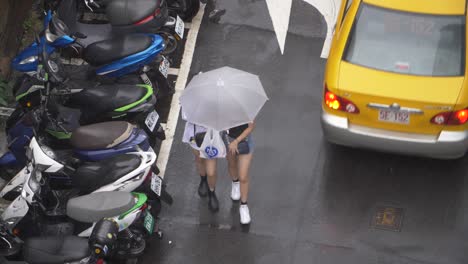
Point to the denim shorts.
(249, 140)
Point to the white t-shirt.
(189, 133)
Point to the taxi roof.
(437, 7)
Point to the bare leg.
(233, 166)
(201, 168)
(244, 162)
(211, 172)
(200, 163)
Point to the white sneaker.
(235, 191)
(244, 214)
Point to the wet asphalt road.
(310, 202)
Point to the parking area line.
(181, 82)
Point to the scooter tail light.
(459, 117)
(336, 102)
(147, 19)
(157, 12)
(148, 176)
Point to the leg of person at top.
(213, 203)
(216, 14)
(244, 162)
(201, 168)
(234, 173)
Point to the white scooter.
(42, 159)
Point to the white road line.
(280, 12)
(329, 9)
(173, 71)
(181, 82)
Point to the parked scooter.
(94, 105)
(186, 9)
(34, 183)
(116, 236)
(96, 102)
(112, 54)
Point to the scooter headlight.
(33, 182)
(49, 152)
(29, 59)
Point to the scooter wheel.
(170, 42)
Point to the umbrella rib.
(239, 103)
(250, 90)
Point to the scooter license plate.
(164, 66)
(152, 120)
(179, 27)
(149, 222)
(156, 184)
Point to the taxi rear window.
(408, 43)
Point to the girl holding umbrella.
(227, 99)
(239, 160)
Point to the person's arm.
(233, 145)
(246, 132)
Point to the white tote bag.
(213, 146)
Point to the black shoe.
(216, 15)
(203, 187)
(213, 203)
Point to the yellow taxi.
(395, 79)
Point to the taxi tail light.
(459, 117)
(336, 102)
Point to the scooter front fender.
(8, 160)
(17, 181)
(28, 59)
(15, 211)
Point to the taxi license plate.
(156, 184)
(151, 120)
(149, 222)
(399, 117)
(164, 66)
(179, 27)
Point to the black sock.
(203, 178)
(243, 203)
(235, 180)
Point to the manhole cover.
(388, 218)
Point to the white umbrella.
(223, 98)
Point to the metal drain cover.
(388, 218)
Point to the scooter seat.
(51, 250)
(101, 136)
(110, 50)
(96, 206)
(128, 12)
(92, 175)
(107, 98)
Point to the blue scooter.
(92, 142)
(110, 56)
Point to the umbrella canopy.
(223, 98)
